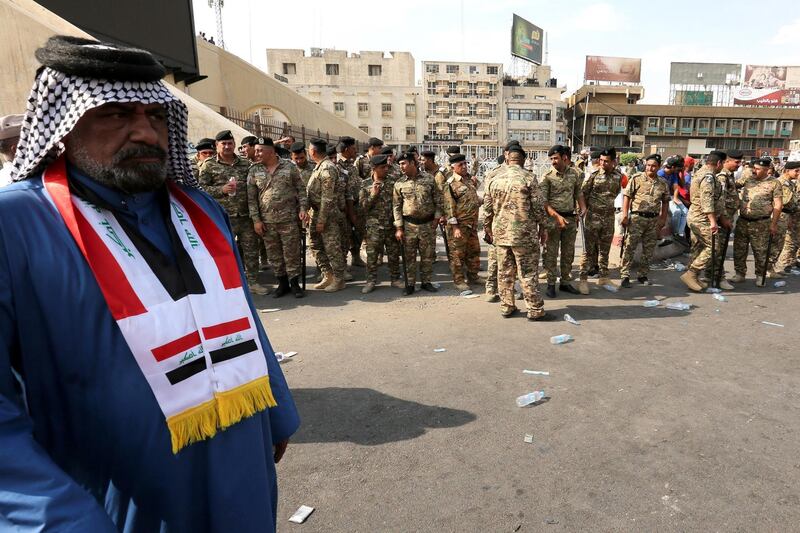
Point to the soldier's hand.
(624, 221)
(259, 228)
(456, 232)
(442, 220)
(398, 234)
(376, 189)
(303, 217)
(487, 237)
(320, 227)
(542, 236)
(714, 229)
(229, 188)
(773, 228)
(561, 221)
(726, 223)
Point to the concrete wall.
(396, 70)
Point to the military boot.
(282, 288)
(689, 278)
(296, 288)
(336, 285)
(583, 287)
(327, 278)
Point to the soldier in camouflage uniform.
(224, 178)
(515, 222)
(205, 149)
(417, 206)
(302, 162)
(325, 194)
(599, 191)
(561, 190)
(731, 200)
(375, 198)
(791, 213)
(645, 205)
(362, 163)
(354, 220)
(706, 214)
(247, 149)
(461, 206)
(759, 214)
(277, 200)
(395, 173)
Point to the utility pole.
(217, 5)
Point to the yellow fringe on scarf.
(227, 408)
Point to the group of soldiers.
(396, 204)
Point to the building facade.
(370, 90)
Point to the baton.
(714, 260)
(766, 259)
(446, 245)
(721, 268)
(303, 254)
(403, 257)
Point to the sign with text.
(526, 40)
(604, 68)
(769, 86)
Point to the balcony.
(442, 130)
(652, 129)
(482, 131)
(462, 110)
(483, 111)
(442, 109)
(432, 120)
(462, 89)
(442, 89)
(686, 131)
(462, 130)
(481, 89)
(752, 131)
(602, 129)
(669, 129)
(702, 131)
(720, 131)
(386, 114)
(786, 133)
(619, 129)
(736, 131)
(769, 131)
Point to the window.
(363, 108)
(332, 69)
(491, 70)
(752, 126)
(375, 70)
(786, 126)
(411, 132)
(728, 144)
(452, 69)
(387, 132)
(544, 114)
(338, 108)
(736, 125)
(720, 124)
(669, 123)
(652, 122)
(289, 68)
(601, 122)
(619, 122)
(703, 123)
(364, 128)
(746, 144)
(432, 68)
(770, 125)
(513, 114)
(411, 110)
(473, 69)
(451, 86)
(687, 123)
(386, 108)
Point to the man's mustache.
(136, 152)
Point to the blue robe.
(84, 446)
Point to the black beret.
(501, 159)
(204, 144)
(735, 154)
(374, 141)
(224, 135)
(762, 161)
(379, 159)
(457, 158)
(319, 144)
(251, 140)
(453, 150)
(654, 157)
(347, 141)
(510, 144)
(412, 150)
(406, 156)
(428, 153)
(264, 141)
(609, 152)
(99, 60)
(387, 151)
(594, 154)
(791, 164)
(517, 149)
(722, 156)
(297, 147)
(330, 150)
(558, 149)
(674, 161)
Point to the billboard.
(603, 68)
(704, 73)
(526, 40)
(694, 97)
(769, 86)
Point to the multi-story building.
(604, 115)
(462, 105)
(370, 90)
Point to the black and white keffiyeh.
(58, 100)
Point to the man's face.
(374, 150)
(429, 163)
(390, 158)
(460, 168)
(264, 154)
(732, 165)
(349, 152)
(409, 168)
(793, 173)
(381, 171)
(225, 149)
(202, 155)
(247, 151)
(122, 145)
(760, 172)
(607, 163)
(559, 162)
(651, 167)
(299, 158)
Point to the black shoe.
(643, 280)
(593, 271)
(566, 287)
(408, 291)
(428, 286)
(787, 270)
(626, 282)
(298, 291)
(547, 317)
(283, 287)
(551, 291)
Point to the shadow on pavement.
(367, 417)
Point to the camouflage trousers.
(378, 239)
(701, 244)
(419, 238)
(465, 253)
(282, 241)
(519, 262)
(491, 269)
(327, 246)
(599, 234)
(640, 230)
(563, 238)
(779, 239)
(753, 235)
(248, 241)
(791, 243)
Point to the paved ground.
(655, 420)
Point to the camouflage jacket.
(349, 174)
(441, 176)
(324, 192)
(706, 194)
(277, 197)
(377, 209)
(363, 166)
(214, 174)
(731, 195)
(561, 190)
(646, 194)
(790, 198)
(758, 195)
(514, 207)
(460, 201)
(600, 190)
(306, 171)
(417, 197)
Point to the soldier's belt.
(791, 211)
(415, 220)
(754, 219)
(566, 214)
(644, 214)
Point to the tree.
(625, 159)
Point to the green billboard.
(526, 40)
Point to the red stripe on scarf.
(120, 297)
(177, 346)
(217, 245)
(226, 328)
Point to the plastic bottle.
(680, 267)
(651, 303)
(610, 288)
(232, 181)
(531, 397)
(779, 284)
(571, 320)
(679, 306)
(720, 297)
(560, 339)
(713, 290)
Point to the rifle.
(766, 259)
(403, 257)
(714, 260)
(303, 254)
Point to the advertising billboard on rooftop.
(526, 40)
(704, 73)
(769, 86)
(622, 69)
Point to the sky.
(480, 31)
